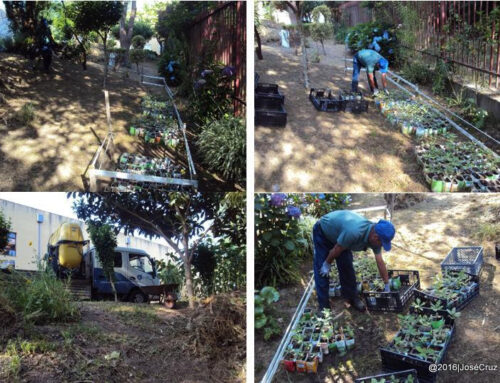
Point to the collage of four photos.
(249, 191)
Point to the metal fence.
(458, 32)
(225, 25)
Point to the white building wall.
(24, 224)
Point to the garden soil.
(328, 151)
(52, 152)
(425, 233)
(124, 342)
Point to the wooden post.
(108, 112)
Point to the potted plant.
(349, 337)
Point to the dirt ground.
(124, 342)
(328, 151)
(425, 233)
(53, 151)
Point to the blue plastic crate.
(468, 259)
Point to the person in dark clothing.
(335, 236)
(372, 61)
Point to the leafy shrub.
(361, 37)
(169, 273)
(5, 227)
(137, 56)
(40, 299)
(277, 243)
(264, 320)
(151, 55)
(140, 28)
(230, 269)
(468, 108)
(441, 77)
(26, 114)
(174, 52)
(222, 144)
(211, 96)
(138, 42)
(319, 204)
(417, 72)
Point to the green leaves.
(263, 310)
(223, 147)
(5, 227)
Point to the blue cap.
(384, 65)
(385, 231)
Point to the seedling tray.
(267, 117)
(354, 102)
(394, 361)
(323, 101)
(400, 375)
(468, 259)
(268, 101)
(457, 304)
(394, 300)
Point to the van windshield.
(141, 262)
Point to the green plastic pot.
(437, 186)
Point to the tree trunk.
(126, 31)
(304, 57)
(189, 279)
(258, 50)
(323, 45)
(106, 59)
(300, 14)
(113, 287)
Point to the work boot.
(357, 303)
(354, 86)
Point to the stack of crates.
(269, 105)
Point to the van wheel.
(137, 296)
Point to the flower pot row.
(157, 124)
(138, 164)
(314, 337)
(324, 101)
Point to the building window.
(10, 250)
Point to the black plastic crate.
(457, 305)
(269, 101)
(393, 361)
(394, 300)
(397, 374)
(468, 259)
(324, 101)
(267, 117)
(354, 102)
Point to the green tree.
(104, 239)
(5, 227)
(137, 56)
(98, 17)
(183, 220)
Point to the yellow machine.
(65, 247)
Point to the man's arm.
(334, 253)
(381, 268)
(372, 82)
(384, 80)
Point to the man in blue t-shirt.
(372, 61)
(335, 236)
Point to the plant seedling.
(453, 313)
